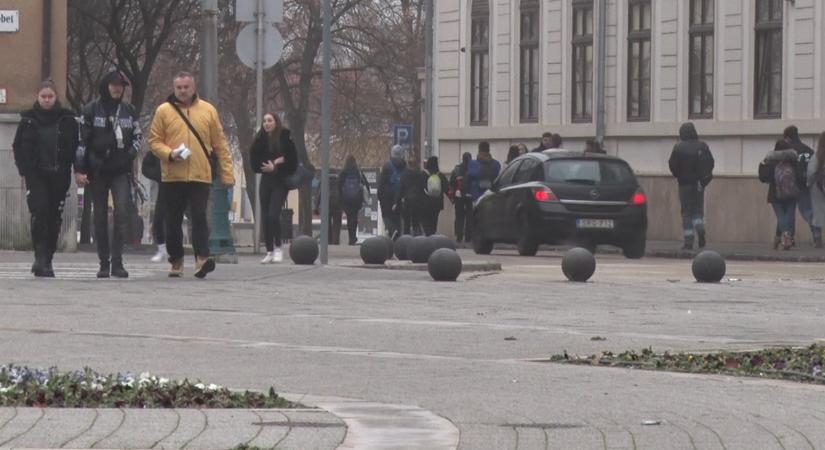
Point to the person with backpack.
(44, 149)
(435, 189)
(273, 155)
(815, 182)
(778, 169)
(352, 184)
(389, 184)
(691, 163)
(410, 200)
(110, 139)
(482, 171)
(461, 198)
(804, 155)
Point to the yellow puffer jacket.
(169, 130)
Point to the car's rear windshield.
(588, 171)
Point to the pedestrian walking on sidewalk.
(389, 184)
(816, 187)
(353, 189)
(436, 188)
(187, 136)
(273, 155)
(779, 170)
(804, 155)
(44, 149)
(691, 163)
(110, 139)
(410, 199)
(462, 199)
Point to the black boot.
(118, 271)
(39, 266)
(48, 271)
(688, 243)
(701, 240)
(818, 238)
(104, 270)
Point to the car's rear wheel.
(527, 244)
(481, 245)
(635, 248)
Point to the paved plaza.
(395, 360)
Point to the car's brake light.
(545, 195)
(639, 198)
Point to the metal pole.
(259, 95)
(209, 67)
(326, 100)
(600, 71)
(428, 44)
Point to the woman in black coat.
(436, 188)
(351, 186)
(273, 155)
(44, 149)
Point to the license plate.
(594, 223)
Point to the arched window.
(479, 62)
(529, 61)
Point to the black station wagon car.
(563, 197)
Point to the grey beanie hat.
(397, 152)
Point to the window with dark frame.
(582, 60)
(768, 60)
(701, 62)
(529, 62)
(638, 67)
(479, 62)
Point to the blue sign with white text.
(402, 134)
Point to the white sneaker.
(277, 255)
(161, 255)
(267, 259)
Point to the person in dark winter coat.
(351, 187)
(273, 155)
(336, 210)
(546, 142)
(389, 184)
(44, 148)
(804, 155)
(783, 203)
(482, 171)
(110, 139)
(462, 199)
(410, 200)
(435, 188)
(691, 162)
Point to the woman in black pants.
(436, 188)
(273, 155)
(351, 185)
(44, 149)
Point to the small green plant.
(22, 386)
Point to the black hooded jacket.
(261, 152)
(99, 151)
(691, 160)
(45, 141)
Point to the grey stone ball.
(708, 267)
(374, 251)
(420, 249)
(444, 265)
(303, 250)
(441, 241)
(389, 244)
(578, 264)
(401, 247)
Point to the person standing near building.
(435, 188)
(816, 187)
(482, 171)
(352, 184)
(804, 155)
(186, 133)
(546, 142)
(691, 162)
(389, 184)
(273, 155)
(110, 139)
(461, 198)
(410, 198)
(44, 148)
(779, 170)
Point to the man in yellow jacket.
(186, 173)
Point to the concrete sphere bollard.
(401, 247)
(441, 241)
(444, 265)
(387, 243)
(374, 251)
(420, 249)
(708, 267)
(578, 264)
(303, 250)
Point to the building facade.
(742, 70)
